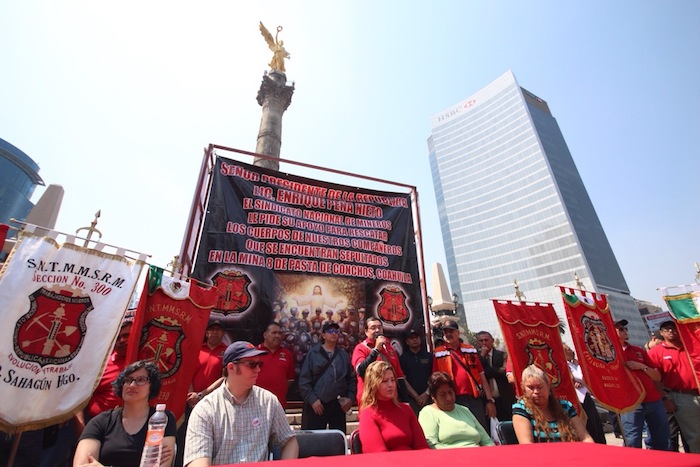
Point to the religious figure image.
(277, 47)
(317, 300)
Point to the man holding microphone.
(377, 346)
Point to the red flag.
(600, 352)
(531, 333)
(172, 316)
(3, 233)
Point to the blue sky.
(116, 102)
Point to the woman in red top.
(385, 423)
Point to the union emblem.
(53, 330)
(161, 340)
(540, 354)
(392, 307)
(596, 338)
(233, 294)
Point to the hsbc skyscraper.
(512, 205)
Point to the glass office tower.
(512, 205)
(19, 176)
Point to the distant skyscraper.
(19, 176)
(512, 205)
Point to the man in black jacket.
(494, 363)
(327, 383)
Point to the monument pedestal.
(274, 97)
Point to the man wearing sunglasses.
(239, 420)
(327, 383)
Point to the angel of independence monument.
(274, 96)
(282, 247)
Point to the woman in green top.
(446, 424)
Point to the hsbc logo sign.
(455, 111)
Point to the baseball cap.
(327, 326)
(621, 323)
(667, 324)
(412, 332)
(216, 322)
(241, 349)
(450, 324)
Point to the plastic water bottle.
(153, 448)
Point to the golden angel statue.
(277, 47)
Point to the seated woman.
(385, 423)
(539, 417)
(116, 437)
(446, 424)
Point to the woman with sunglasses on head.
(116, 437)
(540, 417)
(385, 423)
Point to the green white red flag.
(62, 306)
(172, 317)
(599, 351)
(685, 310)
(531, 334)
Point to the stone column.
(274, 97)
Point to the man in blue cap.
(238, 421)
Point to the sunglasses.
(622, 328)
(333, 331)
(251, 365)
(139, 380)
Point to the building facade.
(512, 205)
(19, 176)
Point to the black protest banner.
(302, 252)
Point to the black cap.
(216, 322)
(413, 332)
(450, 324)
(621, 323)
(241, 349)
(327, 326)
(669, 323)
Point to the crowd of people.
(416, 400)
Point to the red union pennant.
(53, 330)
(531, 333)
(392, 307)
(233, 295)
(161, 341)
(599, 351)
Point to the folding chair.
(355, 444)
(321, 443)
(506, 433)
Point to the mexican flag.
(684, 309)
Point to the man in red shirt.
(278, 369)
(651, 409)
(678, 377)
(377, 346)
(209, 362)
(461, 361)
(103, 397)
